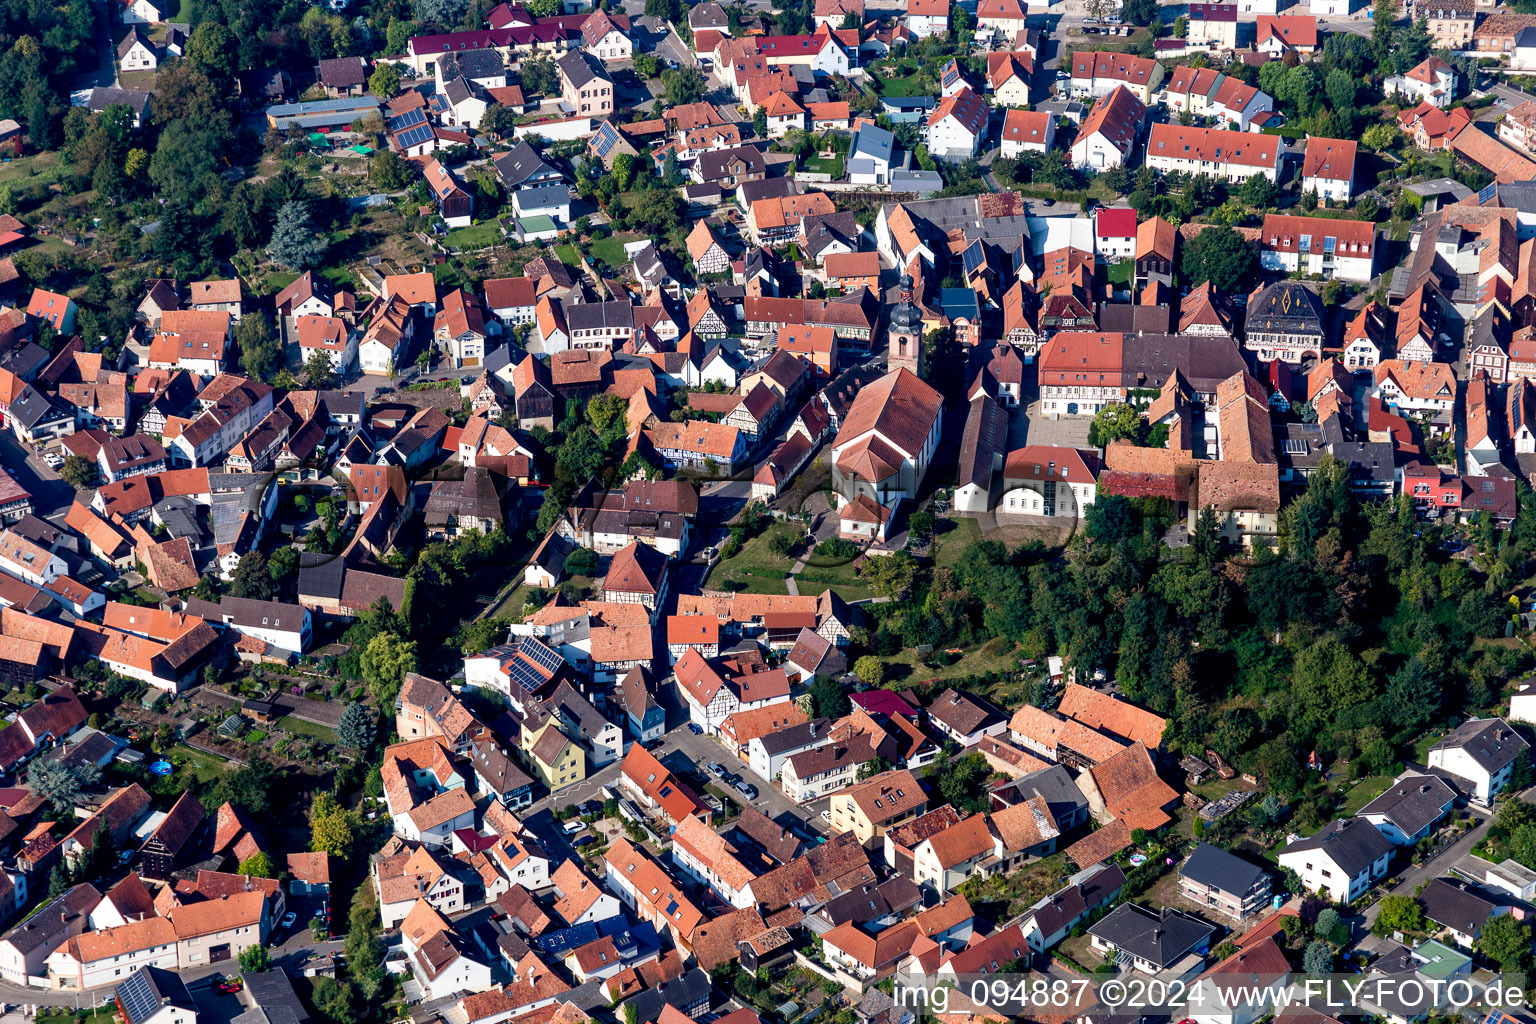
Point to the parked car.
(826, 815)
(573, 826)
(289, 919)
(228, 985)
(747, 790)
(584, 841)
(692, 727)
(716, 769)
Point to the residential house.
(1481, 753)
(1341, 861)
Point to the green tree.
(870, 669)
(1113, 422)
(387, 170)
(538, 74)
(336, 1001)
(385, 661)
(320, 372)
(683, 85)
(760, 123)
(1380, 136)
(1399, 914)
(829, 698)
(961, 783)
(1218, 255)
(358, 727)
(1507, 942)
(1259, 192)
(255, 959)
(77, 471)
(251, 578)
(1318, 958)
(647, 65)
(259, 350)
(385, 81)
(61, 785)
(258, 865)
(296, 243)
(330, 826)
(211, 50)
(59, 880)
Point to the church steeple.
(906, 332)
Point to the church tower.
(906, 332)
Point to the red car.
(227, 985)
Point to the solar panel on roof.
(542, 655)
(137, 997)
(973, 256)
(406, 119)
(414, 136)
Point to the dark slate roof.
(1057, 910)
(1353, 844)
(1412, 802)
(1055, 784)
(1212, 866)
(690, 988)
(1286, 307)
(521, 164)
(1455, 907)
(1488, 741)
(581, 67)
(472, 64)
(1162, 939)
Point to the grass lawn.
(1363, 792)
(142, 80)
(278, 280)
(832, 165)
(755, 568)
(42, 165)
(995, 655)
(511, 606)
(182, 13)
(908, 86)
(568, 254)
(476, 236)
(204, 767)
(948, 546)
(610, 250)
(340, 277)
(841, 578)
(64, 1015)
(1423, 743)
(299, 727)
(1120, 273)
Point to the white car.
(826, 815)
(573, 826)
(53, 460)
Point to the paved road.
(50, 494)
(1422, 872)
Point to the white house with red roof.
(957, 126)
(1109, 131)
(1027, 131)
(1043, 480)
(1328, 168)
(1341, 249)
(1233, 156)
(1431, 81)
(1114, 233)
